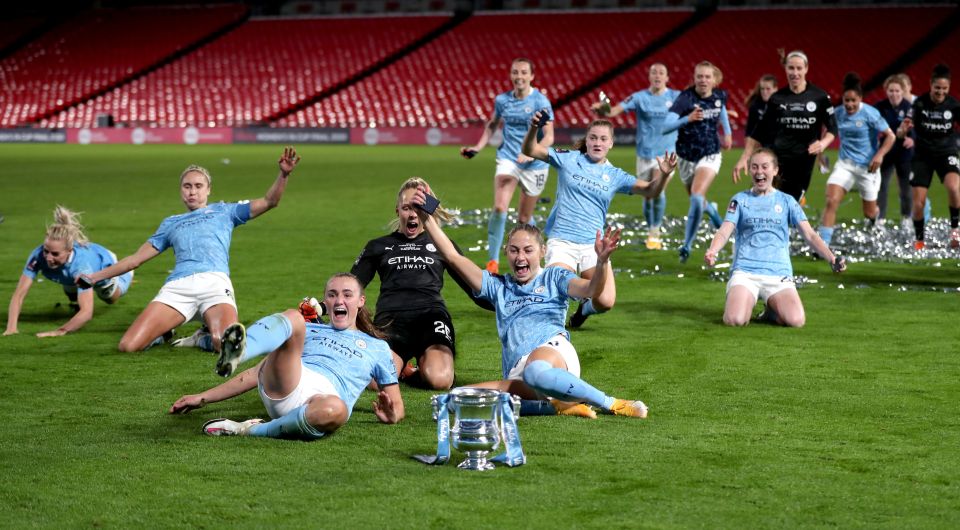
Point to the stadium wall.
(266, 135)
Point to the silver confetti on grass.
(854, 239)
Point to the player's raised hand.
(606, 243)
(710, 257)
(667, 162)
(739, 170)
(288, 160)
(696, 114)
(468, 152)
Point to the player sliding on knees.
(586, 183)
(312, 375)
(200, 282)
(537, 359)
(762, 217)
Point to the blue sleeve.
(554, 158)
(159, 239)
(631, 103)
(879, 123)
(725, 121)
(32, 266)
(795, 213)
(673, 121)
(240, 212)
(733, 211)
(561, 279)
(489, 288)
(627, 182)
(384, 371)
(497, 108)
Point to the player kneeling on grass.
(313, 373)
(762, 217)
(531, 303)
(65, 254)
(200, 282)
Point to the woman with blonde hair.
(200, 238)
(410, 307)
(65, 254)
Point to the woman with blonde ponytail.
(65, 254)
(410, 307)
(199, 285)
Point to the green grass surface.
(849, 422)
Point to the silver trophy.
(476, 425)
(604, 108)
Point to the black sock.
(871, 221)
(918, 228)
(954, 217)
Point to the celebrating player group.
(310, 372)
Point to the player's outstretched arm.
(530, 146)
(719, 240)
(489, 128)
(740, 169)
(80, 318)
(654, 187)
(247, 380)
(813, 239)
(288, 162)
(468, 270)
(146, 252)
(16, 303)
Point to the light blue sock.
(826, 233)
(659, 208)
(562, 385)
(693, 219)
(293, 426)
(587, 308)
(649, 211)
(495, 234)
(266, 335)
(927, 211)
(714, 215)
(156, 342)
(205, 342)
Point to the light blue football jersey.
(650, 111)
(859, 132)
(349, 359)
(584, 191)
(86, 259)
(201, 238)
(527, 315)
(763, 231)
(516, 115)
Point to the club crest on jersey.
(811, 106)
(858, 124)
(540, 289)
(431, 248)
(605, 177)
(947, 115)
(732, 207)
(362, 344)
(777, 208)
(717, 103)
(668, 104)
(527, 110)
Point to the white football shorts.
(192, 295)
(311, 384)
(531, 181)
(846, 174)
(762, 286)
(689, 168)
(576, 256)
(558, 343)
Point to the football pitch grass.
(850, 421)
